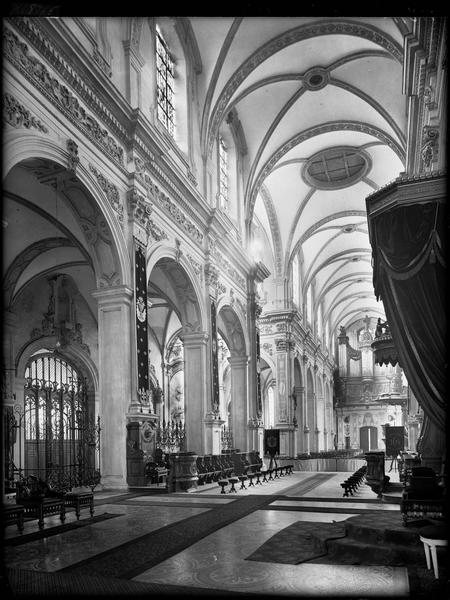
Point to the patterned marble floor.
(218, 560)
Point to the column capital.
(113, 295)
(194, 339)
(238, 361)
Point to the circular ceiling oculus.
(316, 79)
(335, 168)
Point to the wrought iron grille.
(61, 442)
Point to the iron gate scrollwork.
(61, 436)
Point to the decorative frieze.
(111, 191)
(58, 94)
(17, 115)
(225, 266)
(138, 207)
(174, 211)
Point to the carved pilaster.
(139, 211)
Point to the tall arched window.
(61, 437)
(309, 313)
(223, 176)
(295, 281)
(165, 71)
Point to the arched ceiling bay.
(324, 117)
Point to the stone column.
(299, 414)
(196, 382)
(114, 341)
(239, 401)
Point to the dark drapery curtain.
(409, 276)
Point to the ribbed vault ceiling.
(321, 106)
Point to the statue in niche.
(65, 308)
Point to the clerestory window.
(165, 69)
(223, 176)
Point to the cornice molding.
(55, 58)
(404, 190)
(60, 96)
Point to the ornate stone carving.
(221, 289)
(58, 93)
(155, 233)
(139, 208)
(211, 275)
(196, 266)
(111, 191)
(429, 148)
(224, 265)
(268, 348)
(17, 115)
(172, 209)
(72, 149)
(178, 251)
(281, 345)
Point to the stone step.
(351, 552)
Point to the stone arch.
(171, 277)
(232, 326)
(194, 318)
(72, 353)
(25, 148)
(320, 413)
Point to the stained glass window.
(165, 72)
(223, 175)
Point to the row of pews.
(254, 478)
(353, 482)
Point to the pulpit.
(375, 476)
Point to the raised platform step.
(148, 489)
(378, 539)
(349, 551)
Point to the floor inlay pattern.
(130, 559)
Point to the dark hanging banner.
(141, 325)
(258, 376)
(271, 441)
(214, 359)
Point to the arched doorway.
(65, 244)
(368, 438)
(61, 437)
(177, 345)
(231, 332)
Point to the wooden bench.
(38, 500)
(13, 514)
(79, 500)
